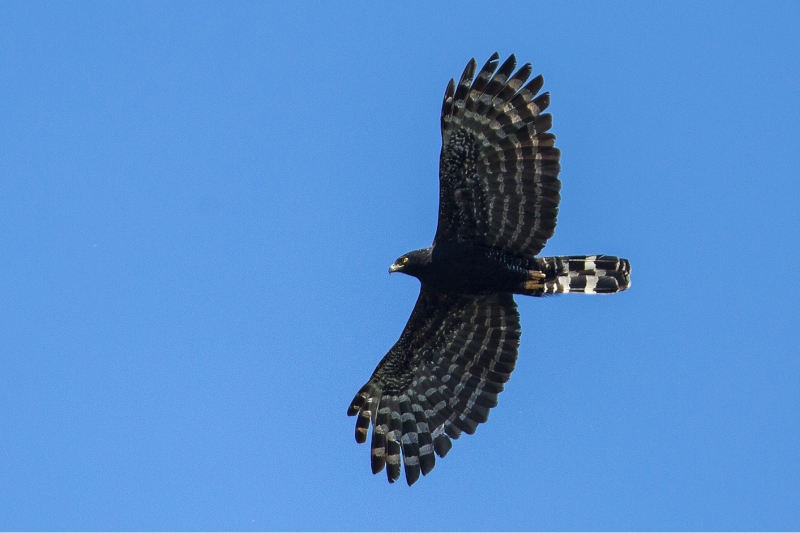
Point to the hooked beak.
(395, 268)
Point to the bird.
(499, 193)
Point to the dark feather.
(495, 146)
(417, 394)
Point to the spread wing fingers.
(440, 379)
(498, 169)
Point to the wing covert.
(440, 379)
(498, 169)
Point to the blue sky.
(199, 203)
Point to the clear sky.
(199, 204)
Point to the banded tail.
(587, 274)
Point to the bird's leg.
(535, 280)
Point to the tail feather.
(587, 274)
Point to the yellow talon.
(535, 274)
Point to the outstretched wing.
(498, 170)
(439, 379)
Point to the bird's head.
(412, 262)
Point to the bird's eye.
(404, 260)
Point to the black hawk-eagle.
(498, 201)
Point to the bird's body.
(475, 270)
(466, 269)
(498, 202)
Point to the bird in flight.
(498, 202)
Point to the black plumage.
(498, 202)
